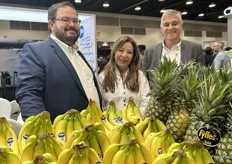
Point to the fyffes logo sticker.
(209, 136)
(82, 31)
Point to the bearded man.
(53, 75)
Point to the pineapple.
(224, 147)
(164, 85)
(179, 119)
(212, 103)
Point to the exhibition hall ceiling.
(151, 8)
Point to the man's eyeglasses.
(68, 20)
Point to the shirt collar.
(64, 45)
(178, 45)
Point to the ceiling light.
(162, 11)
(189, 2)
(106, 4)
(221, 16)
(161, 0)
(201, 14)
(212, 5)
(184, 12)
(77, 1)
(138, 8)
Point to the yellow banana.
(207, 158)
(99, 126)
(57, 120)
(198, 156)
(138, 135)
(75, 158)
(103, 140)
(36, 127)
(10, 157)
(120, 156)
(3, 141)
(76, 123)
(60, 131)
(56, 146)
(175, 147)
(65, 156)
(40, 148)
(147, 154)
(70, 126)
(74, 135)
(156, 146)
(48, 157)
(110, 152)
(84, 157)
(138, 155)
(93, 156)
(115, 134)
(130, 156)
(142, 125)
(124, 136)
(95, 145)
(159, 125)
(84, 113)
(28, 151)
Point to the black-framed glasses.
(68, 20)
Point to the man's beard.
(69, 40)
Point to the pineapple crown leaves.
(225, 74)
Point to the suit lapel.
(184, 51)
(67, 64)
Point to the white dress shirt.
(83, 71)
(174, 53)
(122, 94)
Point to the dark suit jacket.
(48, 81)
(189, 51)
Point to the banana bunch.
(129, 153)
(94, 114)
(91, 135)
(124, 132)
(66, 123)
(150, 125)
(44, 159)
(160, 142)
(34, 125)
(39, 145)
(195, 149)
(8, 157)
(178, 157)
(113, 114)
(8, 136)
(131, 112)
(81, 154)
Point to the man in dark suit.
(52, 74)
(172, 46)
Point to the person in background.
(209, 56)
(172, 45)
(102, 61)
(122, 78)
(141, 48)
(222, 59)
(53, 75)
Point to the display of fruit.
(80, 153)
(113, 114)
(131, 112)
(159, 142)
(8, 157)
(39, 145)
(66, 123)
(92, 136)
(129, 153)
(124, 132)
(149, 125)
(8, 136)
(34, 125)
(94, 114)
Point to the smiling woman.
(122, 78)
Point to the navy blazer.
(48, 81)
